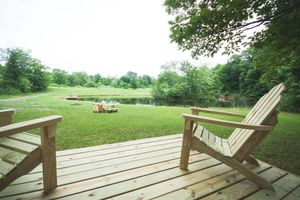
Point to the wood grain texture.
(6, 116)
(49, 158)
(197, 110)
(226, 123)
(22, 152)
(186, 144)
(247, 135)
(155, 176)
(29, 125)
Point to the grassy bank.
(104, 91)
(81, 127)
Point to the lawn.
(103, 91)
(81, 127)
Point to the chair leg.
(249, 174)
(23, 168)
(186, 145)
(233, 163)
(185, 155)
(49, 159)
(251, 160)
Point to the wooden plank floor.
(148, 169)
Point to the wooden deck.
(148, 169)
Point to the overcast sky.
(108, 37)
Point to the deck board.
(148, 169)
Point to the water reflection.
(143, 101)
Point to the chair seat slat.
(5, 167)
(212, 141)
(16, 145)
(205, 136)
(27, 138)
(218, 144)
(11, 156)
(242, 142)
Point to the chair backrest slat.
(271, 97)
(236, 133)
(251, 116)
(246, 134)
(258, 115)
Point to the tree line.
(183, 83)
(129, 80)
(238, 83)
(206, 27)
(21, 73)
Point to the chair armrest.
(194, 109)
(29, 125)
(6, 116)
(7, 111)
(196, 118)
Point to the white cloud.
(96, 36)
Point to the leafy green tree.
(185, 84)
(229, 75)
(167, 80)
(2, 68)
(199, 84)
(131, 78)
(280, 43)
(171, 78)
(207, 25)
(37, 76)
(240, 79)
(80, 78)
(244, 80)
(145, 81)
(107, 80)
(91, 83)
(97, 78)
(22, 72)
(59, 76)
(159, 90)
(178, 94)
(116, 83)
(289, 74)
(13, 73)
(71, 80)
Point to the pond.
(135, 101)
(140, 101)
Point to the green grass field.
(81, 127)
(104, 91)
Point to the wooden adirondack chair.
(237, 148)
(21, 152)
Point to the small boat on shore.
(70, 97)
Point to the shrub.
(91, 84)
(10, 91)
